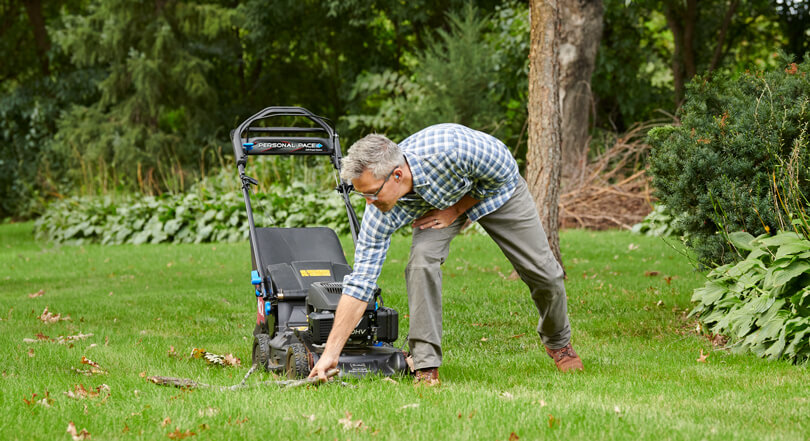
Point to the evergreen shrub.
(717, 167)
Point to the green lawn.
(627, 297)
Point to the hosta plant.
(762, 303)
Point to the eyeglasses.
(373, 196)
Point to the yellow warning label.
(316, 273)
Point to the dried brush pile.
(611, 190)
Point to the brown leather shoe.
(427, 377)
(565, 358)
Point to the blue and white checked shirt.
(447, 161)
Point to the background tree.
(580, 31)
(543, 160)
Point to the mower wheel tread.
(297, 361)
(261, 350)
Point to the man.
(436, 179)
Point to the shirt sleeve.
(369, 255)
(488, 163)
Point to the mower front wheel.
(261, 350)
(298, 364)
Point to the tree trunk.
(580, 33)
(34, 10)
(543, 158)
(682, 24)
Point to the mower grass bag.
(298, 272)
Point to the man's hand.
(324, 364)
(348, 314)
(438, 219)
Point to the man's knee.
(545, 283)
(425, 255)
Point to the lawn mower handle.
(285, 145)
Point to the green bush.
(762, 303)
(660, 223)
(198, 216)
(717, 166)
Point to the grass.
(627, 297)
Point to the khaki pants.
(517, 230)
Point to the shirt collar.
(417, 175)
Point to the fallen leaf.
(311, 417)
(507, 396)
(551, 419)
(703, 357)
(519, 335)
(409, 362)
(31, 401)
(91, 363)
(49, 317)
(63, 339)
(142, 374)
(166, 422)
(177, 434)
(348, 424)
(542, 403)
(389, 380)
(484, 339)
(513, 437)
(632, 247)
(30, 352)
(39, 293)
(230, 360)
(71, 429)
(208, 412)
(171, 352)
(651, 273)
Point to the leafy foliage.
(466, 74)
(154, 114)
(762, 302)
(717, 167)
(199, 216)
(660, 222)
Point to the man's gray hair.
(374, 153)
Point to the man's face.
(386, 189)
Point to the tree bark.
(581, 30)
(33, 8)
(543, 158)
(682, 24)
(721, 37)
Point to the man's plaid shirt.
(447, 161)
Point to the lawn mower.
(298, 273)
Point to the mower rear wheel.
(261, 350)
(297, 361)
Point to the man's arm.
(348, 314)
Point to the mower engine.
(378, 323)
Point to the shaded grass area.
(627, 298)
